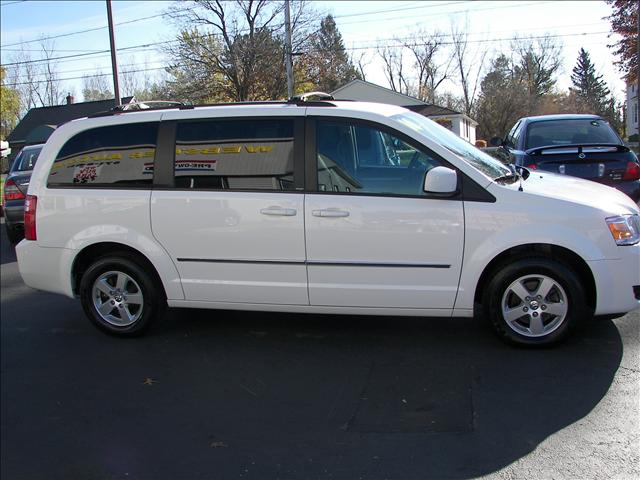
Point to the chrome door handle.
(330, 212)
(279, 211)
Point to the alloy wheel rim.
(534, 305)
(117, 298)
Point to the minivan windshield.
(26, 159)
(570, 132)
(442, 136)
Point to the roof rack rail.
(304, 97)
(150, 105)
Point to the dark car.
(15, 191)
(579, 145)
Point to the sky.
(363, 24)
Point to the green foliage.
(624, 22)
(329, 66)
(517, 86)
(590, 89)
(502, 100)
(9, 107)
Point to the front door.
(233, 220)
(373, 238)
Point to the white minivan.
(319, 206)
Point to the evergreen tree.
(590, 89)
(331, 67)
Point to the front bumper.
(615, 281)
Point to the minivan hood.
(578, 190)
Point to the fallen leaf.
(218, 445)
(149, 381)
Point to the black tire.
(14, 234)
(525, 271)
(153, 303)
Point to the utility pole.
(114, 61)
(287, 48)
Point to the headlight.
(625, 229)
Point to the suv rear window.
(570, 132)
(252, 154)
(26, 159)
(114, 156)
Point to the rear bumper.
(44, 268)
(615, 281)
(14, 213)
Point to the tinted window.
(120, 155)
(565, 132)
(235, 154)
(355, 158)
(26, 159)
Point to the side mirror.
(496, 142)
(441, 180)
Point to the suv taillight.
(632, 172)
(30, 205)
(11, 191)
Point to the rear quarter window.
(118, 156)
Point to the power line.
(11, 3)
(153, 44)
(79, 78)
(92, 29)
(431, 15)
(373, 12)
(337, 16)
(313, 51)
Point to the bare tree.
(96, 87)
(469, 65)
(36, 79)
(52, 93)
(394, 68)
(234, 51)
(361, 62)
(429, 66)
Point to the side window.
(512, 136)
(118, 156)
(355, 158)
(254, 154)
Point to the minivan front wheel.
(535, 301)
(120, 297)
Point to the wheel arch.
(554, 252)
(90, 253)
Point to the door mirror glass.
(496, 142)
(441, 180)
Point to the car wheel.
(13, 234)
(120, 297)
(535, 301)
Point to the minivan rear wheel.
(535, 301)
(120, 297)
